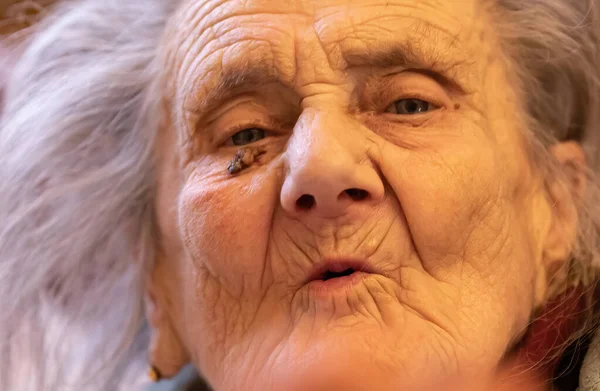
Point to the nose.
(329, 168)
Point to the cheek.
(450, 195)
(465, 223)
(224, 223)
(446, 194)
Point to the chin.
(349, 372)
(351, 337)
(355, 358)
(347, 376)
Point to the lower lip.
(336, 285)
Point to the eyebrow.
(403, 54)
(390, 56)
(235, 80)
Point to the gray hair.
(76, 184)
(76, 175)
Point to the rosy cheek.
(204, 219)
(225, 224)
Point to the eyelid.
(419, 96)
(412, 84)
(269, 127)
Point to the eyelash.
(267, 127)
(420, 96)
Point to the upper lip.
(338, 265)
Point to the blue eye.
(410, 107)
(248, 136)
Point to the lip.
(321, 287)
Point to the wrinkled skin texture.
(453, 227)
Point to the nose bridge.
(328, 168)
(323, 140)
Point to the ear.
(167, 353)
(564, 192)
(571, 157)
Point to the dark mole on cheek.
(456, 106)
(244, 158)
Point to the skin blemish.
(244, 158)
(456, 106)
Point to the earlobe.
(167, 354)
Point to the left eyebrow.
(445, 61)
(386, 57)
(233, 80)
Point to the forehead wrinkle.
(190, 15)
(400, 51)
(444, 46)
(199, 44)
(335, 26)
(224, 24)
(443, 11)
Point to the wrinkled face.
(377, 231)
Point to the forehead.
(302, 41)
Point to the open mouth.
(332, 270)
(328, 275)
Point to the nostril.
(357, 194)
(306, 201)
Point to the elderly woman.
(302, 195)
